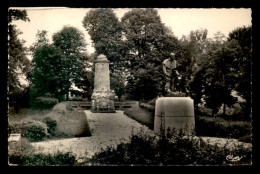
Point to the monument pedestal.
(174, 113)
(102, 97)
(103, 101)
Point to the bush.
(208, 126)
(36, 130)
(57, 159)
(17, 127)
(31, 159)
(44, 103)
(16, 157)
(174, 150)
(51, 124)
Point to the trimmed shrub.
(44, 103)
(57, 159)
(36, 130)
(60, 107)
(51, 124)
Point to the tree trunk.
(224, 109)
(67, 96)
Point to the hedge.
(44, 103)
(175, 150)
(208, 126)
(36, 130)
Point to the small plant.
(51, 124)
(36, 130)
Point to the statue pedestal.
(174, 113)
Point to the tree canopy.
(18, 63)
(147, 43)
(56, 66)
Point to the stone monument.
(102, 97)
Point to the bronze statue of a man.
(171, 73)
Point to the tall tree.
(72, 44)
(147, 43)
(220, 75)
(85, 80)
(191, 57)
(243, 36)
(56, 66)
(106, 34)
(48, 72)
(18, 63)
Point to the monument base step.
(103, 111)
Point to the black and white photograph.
(129, 86)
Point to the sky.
(180, 20)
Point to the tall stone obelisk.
(102, 97)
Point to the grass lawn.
(205, 126)
(141, 115)
(25, 113)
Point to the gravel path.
(107, 129)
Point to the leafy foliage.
(18, 63)
(48, 72)
(56, 66)
(51, 124)
(106, 34)
(216, 127)
(36, 130)
(147, 43)
(191, 57)
(174, 150)
(214, 72)
(57, 159)
(243, 37)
